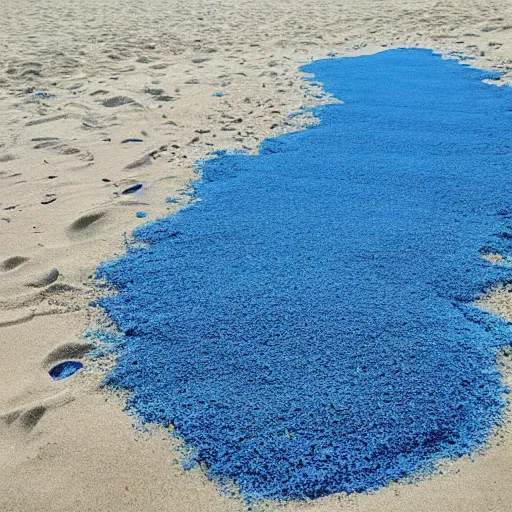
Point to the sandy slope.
(149, 70)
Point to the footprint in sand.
(24, 418)
(65, 369)
(145, 160)
(29, 419)
(12, 263)
(62, 361)
(132, 190)
(67, 351)
(46, 120)
(85, 223)
(117, 101)
(48, 278)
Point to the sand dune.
(96, 98)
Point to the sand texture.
(97, 97)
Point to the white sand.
(67, 445)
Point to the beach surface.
(97, 99)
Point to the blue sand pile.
(65, 369)
(307, 326)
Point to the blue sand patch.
(65, 369)
(218, 94)
(126, 141)
(308, 326)
(132, 190)
(141, 215)
(44, 95)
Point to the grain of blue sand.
(308, 326)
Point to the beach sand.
(113, 71)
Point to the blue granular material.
(307, 326)
(65, 369)
(132, 190)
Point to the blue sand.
(308, 326)
(125, 141)
(45, 95)
(132, 190)
(141, 215)
(65, 369)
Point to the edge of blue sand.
(307, 326)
